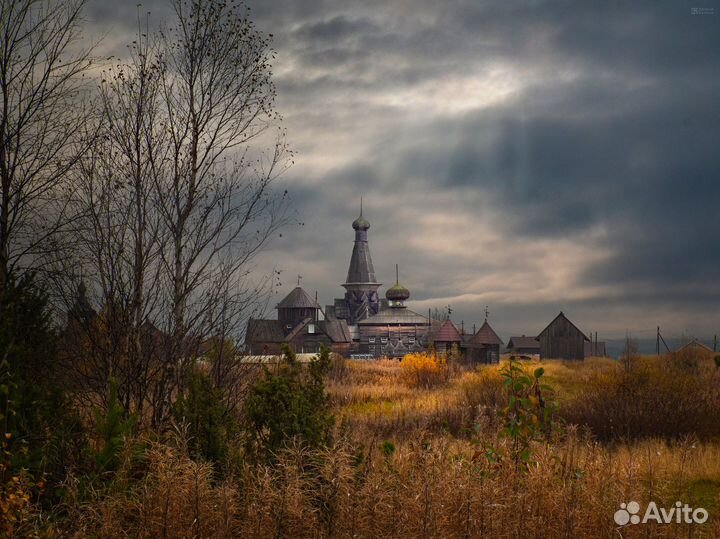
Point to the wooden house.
(299, 327)
(484, 345)
(696, 347)
(446, 337)
(562, 339)
(523, 346)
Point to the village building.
(562, 339)
(361, 287)
(595, 349)
(395, 330)
(697, 347)
(446, 337)
(379, 327)
(523, 346)
(361, 324)
(484, 345)
(298, 325)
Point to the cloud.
(528, 155)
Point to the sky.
(529, 156)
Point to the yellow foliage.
(424, 369)
(16, 507)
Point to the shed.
(524, 346)
(484, 346)
(562, 339)
(446, 337)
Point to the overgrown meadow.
(426, 447)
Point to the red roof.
(486, 335)
(447, 333)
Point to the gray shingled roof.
(523, 342)
(337, 330)
(562, 315)
(361, 268)
(272, 330)
(265, 331)
(298, 299)
(389, 315)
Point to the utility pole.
(661, 339)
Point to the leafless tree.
(173, 201)
(116, 230)
(41, 70)
(218, 206)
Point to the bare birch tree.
(218, 203)
(41, 72)
(172, 203)
(117, 231)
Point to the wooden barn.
(562, 339)
(484, 345)
(523, 346)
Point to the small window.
(289, 326)
(383, 340)
(411, 339)
(311, 328)
(371, 339)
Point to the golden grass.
(428, 487)
(411, 463)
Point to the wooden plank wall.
(562, 340)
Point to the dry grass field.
(408, 461)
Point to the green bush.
(289, 403)
(113, 427)
(45, 435)
(211, 425)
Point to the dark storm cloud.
(534, 155)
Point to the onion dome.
(397, 292)
(361, 223)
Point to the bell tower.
(361, 285)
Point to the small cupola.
(397, 294)
(361, 224)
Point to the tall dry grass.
(670, 397)
(428, 487)
(411, 463)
